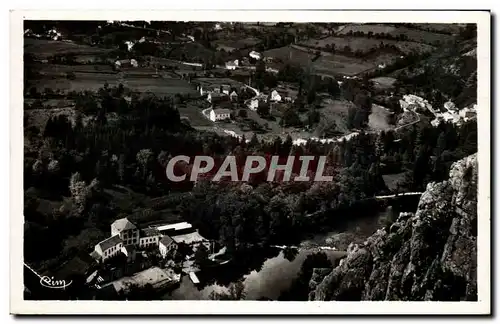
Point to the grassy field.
(138, 82)
(378, 119)
(415, 35)
(364, 44)
(236, 43)
(42, 48)
(446, 28)
(383, 82)
(327, 63)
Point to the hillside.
(429, 255)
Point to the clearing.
(43, 49)
(415, 35)
(364, 44)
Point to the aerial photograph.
(263, 161)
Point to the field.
(41, 48)
(415, 35)
(443, 28)
(327, 63)
(364, 44)
(333, 111)
(93, 77)
(235, 43)
(383, 82)
(378, 119)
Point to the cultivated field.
(236, 43)
(327, 63)
(42, 48)
(364, 44)
(415, 35)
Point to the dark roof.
(147, 232)
(233, 93)
(123, 224)
(166, 240)
(222, 111)
(109, 242)
(226, 87)
(217, 94)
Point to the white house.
(130, 45)
(230, 65)
(109, 247)
(275, 96)
(166, 246)
(254, 104)
(149, 237)
(126, 230)
(233, 96)
(219, 114)
(134, 63)
(226, 89)
(255, 55)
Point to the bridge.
(399, 195)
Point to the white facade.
(167, 247)
(233, 96)
(219, 114)
(149, 241)
(230, 66)
(255, 55)
(134, 63)
(127, 231)
(275, 96)
(254, 104)
(109, 247)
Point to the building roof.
(233, 93)
(110, 242)
(226, 87)
(166, 240)
(147, 232)
(123, 224)
(175, 226)
(189, 238)
(220, 111)
(94, 254)
(217, 94)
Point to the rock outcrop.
(429, 255)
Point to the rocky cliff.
(429, 255)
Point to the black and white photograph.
(279, 160)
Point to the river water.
(274, 273)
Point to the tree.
(144, 158)
(201, 256)
(263, 109)
(236, 291)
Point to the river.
(268, 274)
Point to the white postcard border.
(20, 306)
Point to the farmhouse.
(230, 65)
(233, 96)
(219, 114)
(126, 63)
(255, 55)
(226, 89)
(275, 96)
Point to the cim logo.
(49, 282)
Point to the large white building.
(219, 114)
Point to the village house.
(255, 55)
(214, 97)
(450, 106)
(219, 114)
(126, 63)
(130, 252)
(467, 113)
(275, 96)
(108, 248)
(226, 89)
(167, 246)
(233, 96)
(230, 65)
